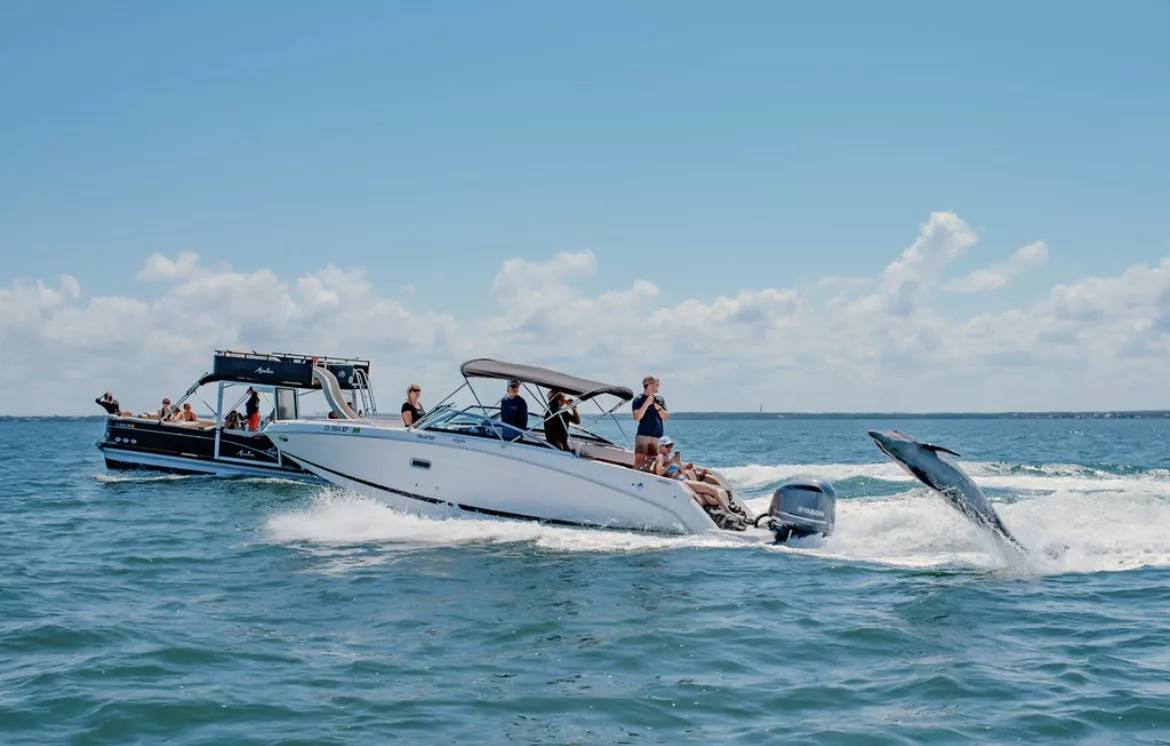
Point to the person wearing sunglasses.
(412, 411)
(668, 463)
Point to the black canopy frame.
(530, 375)
(582, 388)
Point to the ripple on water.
(192, 611)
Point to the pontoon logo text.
(264, 371)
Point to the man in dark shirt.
(650, 412)
(513, 408)
(107, 402)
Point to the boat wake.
(338, 519)
(144, 477)
(148, 477)
(989, 475)
(1073, 519)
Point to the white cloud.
(159, 267)
(833, 281)
(878, 343)
(523, 285)
(1032, 256)
(906, 282)
(70, 286)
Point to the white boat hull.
(439, 474)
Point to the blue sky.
(707, 147)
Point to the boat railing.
(365, 391)
(489, 416)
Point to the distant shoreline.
(1152, 414)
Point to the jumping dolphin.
(931, 465)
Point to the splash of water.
(995, 475)
(1073, 522)
(133, 478)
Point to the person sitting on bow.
(668, 463)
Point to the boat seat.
(601, 452)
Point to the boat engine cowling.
(802, 508)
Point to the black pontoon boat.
(220, 447)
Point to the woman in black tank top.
(412, 411)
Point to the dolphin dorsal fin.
(940, 449)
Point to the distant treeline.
(1153, 414)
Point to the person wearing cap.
(667, 456)
(650, 412)
(513, 408)
(669, 465)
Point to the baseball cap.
(665, 441)
(513, 383)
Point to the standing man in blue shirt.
(650, 412)
(513, 408)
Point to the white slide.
(333, 395)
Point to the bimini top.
(582, 388)
(284, 369)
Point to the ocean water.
(184, 610)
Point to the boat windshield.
(434, 414)
(474, 424)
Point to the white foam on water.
(1087, 522)
(1046, 478)
(1069, 478)
(269, 480)
(756, 475)
(1065, 531)
(343, 519)
(1103, 532)
(337, 520)
(146, 478)
(122, 478)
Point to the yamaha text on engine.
(800, 509)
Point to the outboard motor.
(801, 508)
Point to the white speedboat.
(465, 460)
